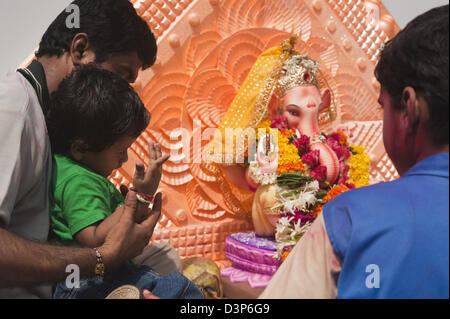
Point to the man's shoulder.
(393, 191)
(360, 199)
(14, 93)
(370, 193)
(354, 207)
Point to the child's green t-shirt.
(80, 198)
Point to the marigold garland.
(343, 138)
(288, 152)
(291, 167)
(335, 191)
(332, 193)
(287, 133)
(264, 124)
(359, 167)
(316, 210)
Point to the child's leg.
(88, 289)
(161, 258)
(172, 286)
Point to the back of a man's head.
(418, 57)
(112, 26)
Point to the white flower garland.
(260, 178)
(288, 233)
(298, 199)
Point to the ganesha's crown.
(298, 70)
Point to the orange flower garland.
(332, 193)
(343, 140)
(287, 133)
(316, 210)
(291, 167)
(335, 191)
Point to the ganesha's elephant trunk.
(328, 159)
(309, 126)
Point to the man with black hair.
(94, 118)
(114, 37)
(390, 240)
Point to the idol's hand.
(268, 164)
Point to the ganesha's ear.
(274, 109)
(326, 99)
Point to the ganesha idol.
(292, 167)
(300, 101)
(286, 85)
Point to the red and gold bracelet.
(143, 198)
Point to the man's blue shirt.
(392, 238)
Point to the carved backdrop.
(206, 49)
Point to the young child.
(95, 116)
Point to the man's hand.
(147, 181)
(127, 239)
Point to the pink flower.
(343, 174)
(343, 171)
(311, 159)
(343, 168)
(333, 143)
(335, 136)
(302, 144)
(342, 180)
(319, 173)
(342, 152)
(350, 186)
(303, 216)
(280, 122)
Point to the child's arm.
(145, 182)
(94, 235)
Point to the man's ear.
(81, 51)
(78, 149)
(325, 94)
(411, 109)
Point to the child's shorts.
(172, 286)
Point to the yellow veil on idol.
(249, 107)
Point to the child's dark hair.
(113, 26)
(95, 106)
